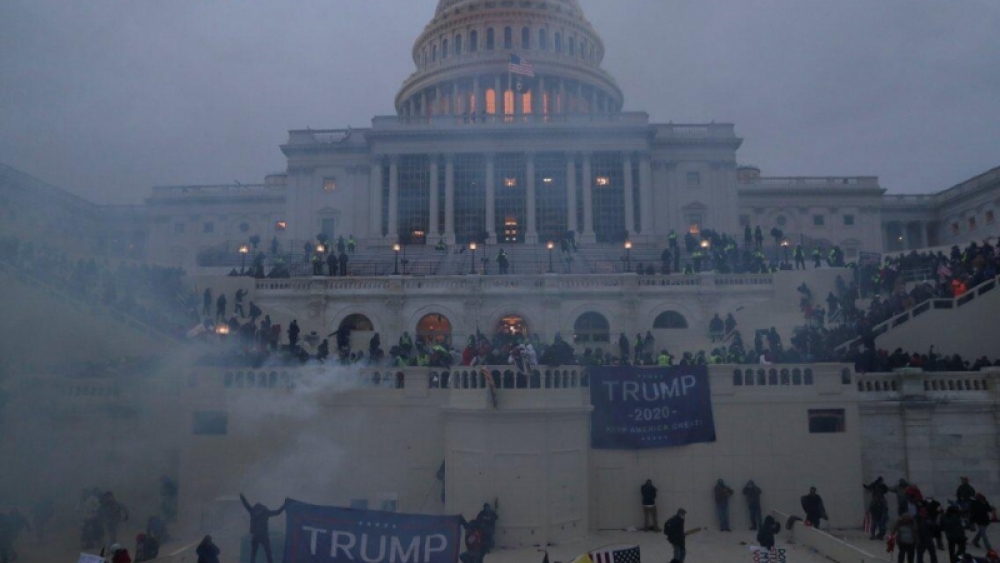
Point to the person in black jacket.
(674, 530)
(648, 492)
(979, 514)
(878, 508)
(765, 536)
(812, 504)
(259, 534)
(954, 532)
(207, 551)
(926, 528)
(752, 493)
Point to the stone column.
(423, 103)
(456, 106)
(499, 96)
(478, 96)
(375, 192)
(646, 194)
(593, 100)
(410, 105)
(438, 106)
(563, 106)
(587, 182)
(531, 233)
(393, 233)
(491, 211)
(571, 193)
(432, 228)
(449, 199)
(629, 196)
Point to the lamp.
(551, 245)
(472, 247)
(628, 255)
(244, 250)
(395, 268)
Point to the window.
(572, 46)
(208, 228)
(670, 320)
(210, 423)
(178, 228)
(693, 179)
(491, 39)
(591, 327)
(473, 41)
(848, 220)
(543, 39)
(826, 421)
(955, 229)
(280, 225)
(989, 217)
(508, 38)
(609, 197)
(819, 220)
(525, 38)
(434, 53)
(329, 184)
(694, 221)
(444, 49)
(244, 227)
(559, 45)
(511, 200)
(458, 45)
(972, 223)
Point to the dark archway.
(591, 327)
(670, 320)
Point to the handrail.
(924, 306)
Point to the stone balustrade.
(916, 384)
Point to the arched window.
(512, 325)
(591, 327)
(559, 42)
(434, 53)
(543, 39)
(508, 38)
(670, 320)
(458, 45)
(473, 41)
(491, 101)
(526, 38)
(434, 328)
(490, 39)
(444, 49)
(572, 46)
(355, 331)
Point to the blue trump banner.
(328, 534)
(638, 408)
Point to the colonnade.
(588, 181)
(487, 95)
(909, 235)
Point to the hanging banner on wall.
(329, 534)
(639, 408)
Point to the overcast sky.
(107, 98)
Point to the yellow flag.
(585, 558)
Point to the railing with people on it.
(929, 305)
(915, 383)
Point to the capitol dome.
(464, 55)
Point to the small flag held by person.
(619, 554)
(521, 66)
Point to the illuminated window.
(550, 201)
(603, 181)
(329, 184)
(508, 102)
(510, 229)
(526, 102)
(609, 197)
(546, 181)
(490, 39)
(510, 182)
(280, 226)
(414, 198)
(434, 328)
(511, 202)
(470, 197)
(491, 101)
(693, 179)
(508, 38)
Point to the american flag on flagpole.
(620, 554)
(521, 67)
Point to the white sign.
(776, 554)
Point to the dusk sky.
(106, 98)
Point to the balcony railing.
(814, 182)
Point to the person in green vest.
(664, 359)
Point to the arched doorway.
(355, 331)
(670, 320)
(512, 326)
(435, 328)
(591, 328)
